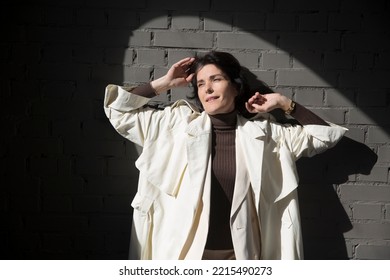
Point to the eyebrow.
(213, 76)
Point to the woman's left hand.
(260, 103)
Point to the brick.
(372, 98)
(217, 22)
(369, 230)
(118, 204)
(110, 223)
(364, 193)
(120, 38)
(61, 186)
(378, 135)
(57, 243)
(358, 6)
(387, 212)
(62, 204)
(90, 17)
(88, 204)
(44, 166)
(249, 21)
(24, 204)
(121, 4)
(306, 78)
(312, 97)
(307, 5)
(58, 90)
(381, 61)
(151, 57)
(116, 242)
(302, 59)
(66, 128)
(118, 167)
(59, 71)
(88, 55)
(118, 185)
(34, 128)
(373, 252)
(266, 41)
(176, 55)
(377, 174)
(364, 61)
(153, 20)
(384, 154)
(285, 22)
(248, 59)
(356, 134)
(123, 18)
(91, 242)
(122, 56)
(338, 61)
(185, 20)
(60, 35)
(367, 211)
(339, 22)
(243, 5)
(336, 116)
(117, 73)
(354, 79)
(59, 16)
(183, 39)
(309, 41)
(201, 5)
(268, 77)
(86, 147)
(20, 185)
(375, 23)
(100, 129)
(339, 97)
(89, 166)
(312, 22)
(180, 93)
(275, 60)
(63, 224)
(136, 74)
(56, 54)
(353, 42)
(369, 116)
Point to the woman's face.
(215, 90)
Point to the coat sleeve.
(309, 140)
(125, 113)
(138, 123)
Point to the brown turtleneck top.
(223, 160)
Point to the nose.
(209, 88)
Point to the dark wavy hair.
(234, 71)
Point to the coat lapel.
(198, 150)
(249, 158)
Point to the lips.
(211, 98)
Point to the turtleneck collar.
(224, 121)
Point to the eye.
(200, 85)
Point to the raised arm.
(177, 76)
(260, 103)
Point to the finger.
(189, 77)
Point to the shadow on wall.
(324, 219)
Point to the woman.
(214, 184)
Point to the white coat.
(171, 206)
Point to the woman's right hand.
(177, 76)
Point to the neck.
(225, 120)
